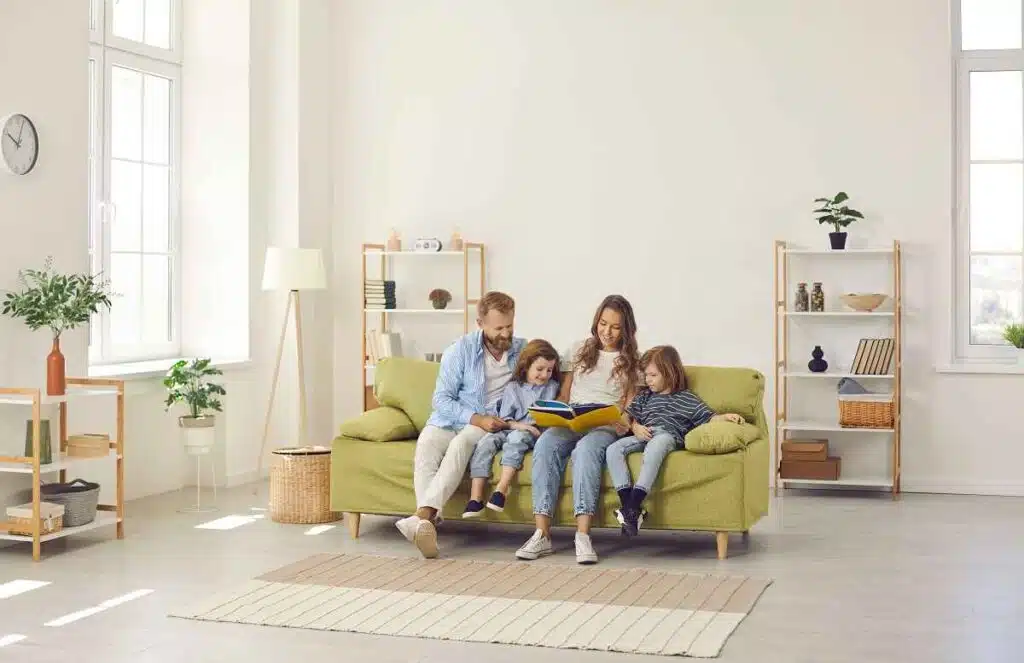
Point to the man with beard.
(474, 372)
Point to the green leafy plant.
(57, 301)
(834, 212)
(1014, 334)
(189, 383)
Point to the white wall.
(656, 149)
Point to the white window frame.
(965, 63)
(109, 51)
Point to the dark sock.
(637, 498)
(625, 494)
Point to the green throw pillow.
(720, 437)
(382, 424)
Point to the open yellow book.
(579, 418)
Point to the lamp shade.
(293, 269)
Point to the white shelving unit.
(77, 388)
(784, 373)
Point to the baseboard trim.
(242, 478)
(930, 486)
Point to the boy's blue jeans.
(655, 451)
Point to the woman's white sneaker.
(538, 546)
(585, 549)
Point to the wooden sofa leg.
(746, 536)
(353, 524)
(722, 538)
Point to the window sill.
(982, 368)
(156, 368)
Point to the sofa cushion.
(382, 424)
(720, 437)
(406, 384)
(725, 389)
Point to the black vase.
(838, 240)
(817, 365)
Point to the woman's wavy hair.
(627, 365)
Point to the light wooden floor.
(857, 579)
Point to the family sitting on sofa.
(486, 384)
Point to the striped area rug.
(569, 607)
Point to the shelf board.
(838, 314)
(73, 391)
(414, 310)
(823, 426)
(413, 253)
(840, 252)
(865, 482)
(103, 518)
(63, 463)
(835, 374)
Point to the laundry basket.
(79, 498)
(300, 486)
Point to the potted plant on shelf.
(60, 302)
(439, 297)
(838, 215)
(1014, 335)
(189, 383)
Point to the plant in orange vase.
(59, 302)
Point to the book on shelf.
(874, 356)
(578, 417)
(382, 344)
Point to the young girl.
(659, 417)
(535, 378)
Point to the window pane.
(126, 194)
(128, 19)
(995, 297)
(126, 309)
(990, 24)
(156, 123)
(997, 115)
(156, 299)
(997, 207)
(155, 208)
(125, 113)
(158, 23)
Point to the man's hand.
(518, 425)
(642, 432)
(488, 423)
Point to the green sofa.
(719, 491)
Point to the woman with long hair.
(604, 368)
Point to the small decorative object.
(188, 382)
(456, 243)
(439, 297)
(88, 445)
(1014, 335)
(431, 244)
(801, 302)
(864, 302)
(60, 302)
(833, 212)
(817, 298)
(817, 364)
(45, 444)
(19, 153)
(394, 241)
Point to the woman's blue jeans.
(550, 456)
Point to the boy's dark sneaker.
(497, 502)
(629, 518)
(474, 509)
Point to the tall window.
(134, 76)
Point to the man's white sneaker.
(538, 546)
(585, 549)
(407, 526)
(425, 538)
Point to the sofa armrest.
(381, 424)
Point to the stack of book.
(379, 294)
(382, 344)
(808, 459)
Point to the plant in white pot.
(189, 382)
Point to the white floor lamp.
(292, 270)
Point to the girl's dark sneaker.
(497, 502)
(474, 509)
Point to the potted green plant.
(189, 383)
(833, 212)
(439, 297)
(1013, 334)
(60, 302)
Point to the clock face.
(19, 144)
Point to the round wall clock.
(19, 144)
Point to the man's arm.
(449, 381)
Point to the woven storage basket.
(300, 486)
(866, 411)
(19, 519)
(79, 498)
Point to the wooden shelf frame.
(385, 268)
(37, 400)
(780, 361)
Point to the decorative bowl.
(863, 302)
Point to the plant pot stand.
(200, 445)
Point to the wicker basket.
(866, 411)
(19, 519)
(300, 486)
(79, 498)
